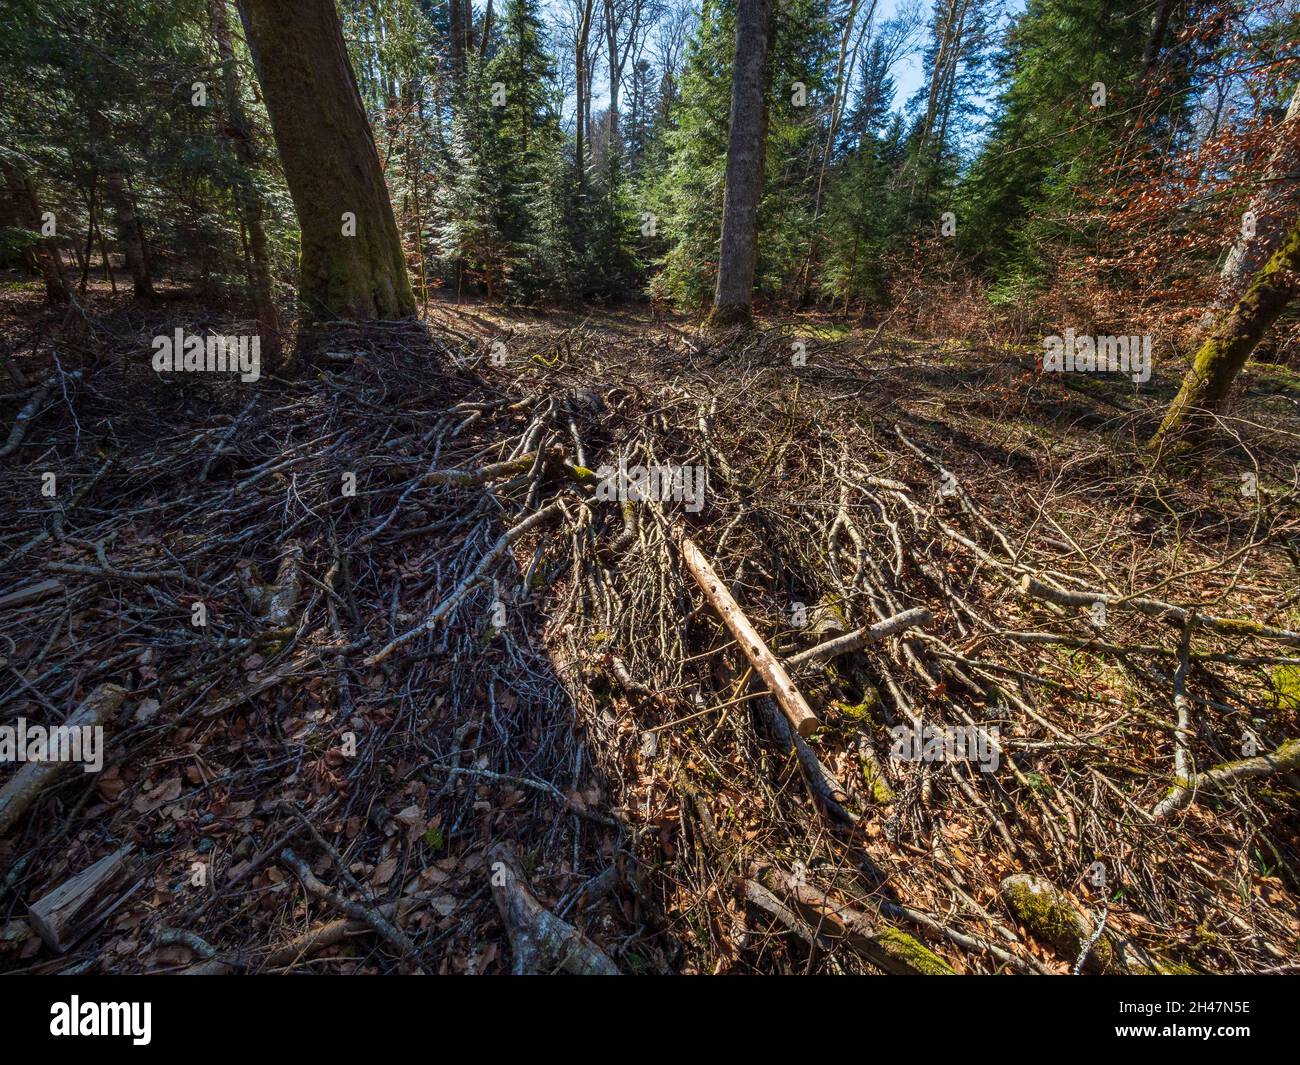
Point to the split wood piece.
(860, 638)
(765, 663)
(67, 913)
(1156, 608)
(29, 593)
(1286, 759)
(884, 946)
(470, 580)
(33, 777)
(1054, 918)
(358, 911)
(540, 942)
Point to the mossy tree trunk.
(1227, 348)
(330, 162)
(746, 142)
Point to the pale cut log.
(67, 913)
(765, 664)
(33, 777)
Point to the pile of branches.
(455, 705)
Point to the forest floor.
(474, 651)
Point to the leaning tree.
(351, 264)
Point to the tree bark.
(250, 201)
(1226, 350)
(330, 162)
(746, 141)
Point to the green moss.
(919, 958)
(880, 790)
(861, 711)
(1285, 682)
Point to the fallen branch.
(471, 579)
(1286, 759)
(860, 638)
(1156, 608)
(760, 657)
(885, 947)
(1055, 919)
(33, 777)
(356, 910)
(539, 941)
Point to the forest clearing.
(449, 589)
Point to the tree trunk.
(250, 202)
(23, 207)
(1151, 53)
(456, 39)
(1226, 350)
(330, 162)
(583, 90)
(746, 137)
(1269, 208)
(129, 232)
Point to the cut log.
(539, 941)
(72, 909)
(33, 777)
(765, 664)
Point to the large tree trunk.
(330, 162)
(250, 201)
(746, 141)
(21, 208)
(1226, 350)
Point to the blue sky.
(908, 72)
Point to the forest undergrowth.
(429, 645)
